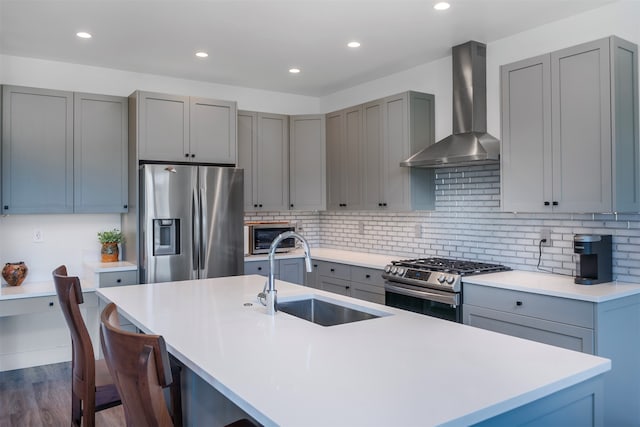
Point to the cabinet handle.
(555, 203)
(193, 155)
(119, 281)
(384, 204)
(125, 206)
(186, 154)
(51, 304)
(333, 269)
(260, 206)
(380, 205)
(6, 206)
(291, 205)
(547, 203)
(518, 303)
(315, 265)
(347, 287)
(259, 268)
(368, 276)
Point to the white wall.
(67, 239)
(16, 70)
(619, 19)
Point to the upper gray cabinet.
(181, 128)
(263, 147)
(37, 151)
(344, 163)
(63, 152)
(386, 131)
(570, 130)
(100, 153)
(307, 165)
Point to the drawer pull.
(259, 268)
(119, 281)
(518, 303)
(368, 276)
(333, 269)
(51, 304)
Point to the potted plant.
(110, 240)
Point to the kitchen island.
(399, 369)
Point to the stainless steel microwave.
(262, 235)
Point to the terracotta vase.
(110, 252)
(14, 273)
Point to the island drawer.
(117, 278)
(367, 275)
(335, 270)
(557, 309)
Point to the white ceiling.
(252, 43)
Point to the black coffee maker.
(594, 264)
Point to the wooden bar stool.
(92, 387)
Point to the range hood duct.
(470, 143)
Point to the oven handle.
(430, 296)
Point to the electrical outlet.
(37, 236)
(361, 227)
(545, 234)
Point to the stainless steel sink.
(325, 312)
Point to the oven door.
(431, 302)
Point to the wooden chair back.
(91, 386)
(140, 366)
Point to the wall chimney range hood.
(470, 143)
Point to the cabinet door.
(395, 182)
(37, 151)
(335, 154)
(307, 183)
(526, 135)
(212, 136)
(337, 286)
(352, 158)
(371, 152)
(581, 128)
(163, 122)
(100, 153)
(544, 331)
(247, 145)
(291, 270)
(311, 279)
(272, 160)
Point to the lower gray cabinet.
(607, 329)
(357, 282)
(289, 270)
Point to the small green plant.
(113, 236)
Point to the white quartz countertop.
(398, 370)
(361, 259)
(554, 285)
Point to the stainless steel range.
(431, 286)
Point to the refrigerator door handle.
(203, 238)
(195, 233)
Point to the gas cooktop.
(437, 273)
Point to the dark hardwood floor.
(41, 396)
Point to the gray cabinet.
(312, 278)
(180, 128)
(109, 279)
(354, 281)
(570, 130)
(608, 329)
(290, 269)
(37, 151)
(307, 165)
(391, 129)
(100, 153)
(263, 150)
(344, 163)
(63, 152)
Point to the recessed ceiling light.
(294, 70)
(202, 54)
(353, 44)
(83, 35)
(443, 5)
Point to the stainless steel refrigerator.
(191, 222)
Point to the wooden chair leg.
(89, 412)
(176, 396)
(76, 410)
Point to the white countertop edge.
(106, 267)
(34, 290)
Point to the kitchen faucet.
(270, 293)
